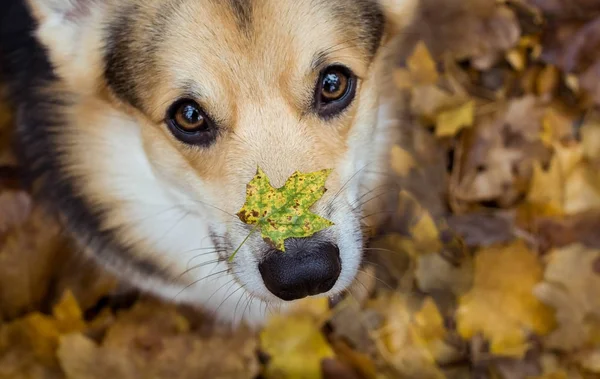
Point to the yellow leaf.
(517, 59)
(548, 189)
(296, 347)
(450, 122)
(37, 335)
(501, 304)
(422, 66)
(556, 126)
(68, 315)
(400, 340)
(402, 161)
(318, 307)
(548, 80)
(424, 234)
(428, 327)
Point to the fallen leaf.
(28, 253)
(572, 286)
(481, 229)
(401, 342)
(450, 122)
(301, 353)
(402, 161)
(421, 66)
(29, 344)
(501, 304)
(154, 341)
(15, 209)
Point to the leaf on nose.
(282, 213)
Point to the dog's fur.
(91, 83)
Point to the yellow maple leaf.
(501, 304)
(451, 121)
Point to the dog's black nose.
(307, 267)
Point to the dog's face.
(176, 103)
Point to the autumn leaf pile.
(488, 267)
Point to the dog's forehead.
(270, 24)
(194, 40)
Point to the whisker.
(376, 278)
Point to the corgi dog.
(139, 124)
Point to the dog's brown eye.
(335, 91)
(190, 124)
(189, 117)
(334, 85)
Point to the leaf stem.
(243, 242)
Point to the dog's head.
(174, 104)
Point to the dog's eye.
(190, 124)
(335, 90)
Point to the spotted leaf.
(283, 213)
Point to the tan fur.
(257, 81)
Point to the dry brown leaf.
(481, 229)
(152, 340)
(499, 153)
(481, 30)
(435, 273)
(28, 345)
(15, 209)
(501, 305)
(557, 232)
(28, 256)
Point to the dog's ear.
(70, 32)
(399, 13)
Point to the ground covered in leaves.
(490, 266)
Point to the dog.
(139, 124)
